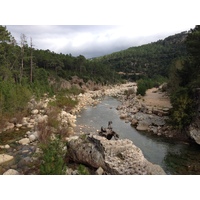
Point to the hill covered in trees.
(25, 71)
(147, 60)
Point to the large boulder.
(113, 156)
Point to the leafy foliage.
(187, 80)
(82, 170)
(52, 160)
(25, 71)
(144, 84)
(183, 110)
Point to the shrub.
(183, 111)
(52, 159)
(82, 170)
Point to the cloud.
(92, 40)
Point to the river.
(174, 157)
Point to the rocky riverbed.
(21, 155)
(145, 114)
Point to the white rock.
(28, 133)
(30, 125)
(6, 146)
(99, 171)
(11, 172)
(32, 138)
(34, 112)
(18, 125)
(24, 141)
(35, 133)
(5, 158)
(72, 138)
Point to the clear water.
(173, 157)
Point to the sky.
(94, 28)
(92, 40)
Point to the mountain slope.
(150, 59)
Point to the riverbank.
(132, 108)
(149, 113)
(19, 139)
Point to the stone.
(123, 116)
(142, 126)
(194, 133)
(24, 141)
(113, 156)
(134, 122)
(28, 133)
(11, 172)
(99, 171)
(134, 110)
(4, 158)
(7, 146)
(69, 171)
(32, 138)
(35, 111)
(18, 125)
(41, 119)
(29, 125)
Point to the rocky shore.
(21, 157)
(115, 157)
(145, 116)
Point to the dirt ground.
(156, 98)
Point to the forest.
(25, 71)
(148, 60)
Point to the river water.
(174, 157)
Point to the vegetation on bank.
(25, 71)
(147, 60)
(184, 84)
(144, 84)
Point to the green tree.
(183, 98)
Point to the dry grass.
(44, 133)
(53, 126)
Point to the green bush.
(82, 170)
(52, 159)
(141, 88)
(147, 83)
(183, 111)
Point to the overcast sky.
(95, 28)
(92, 40)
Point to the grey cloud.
(87, 40)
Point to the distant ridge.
(148, 59)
